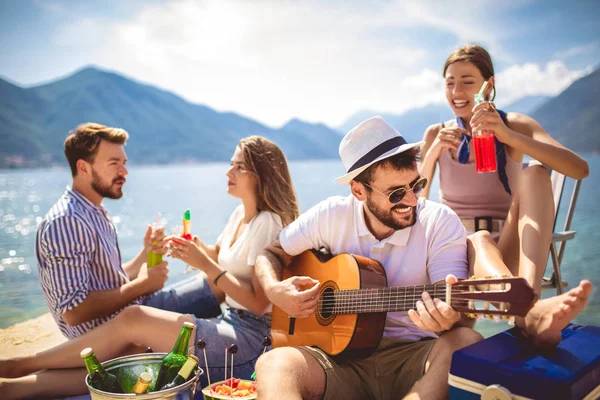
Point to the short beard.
(106, 190)
(387, 217)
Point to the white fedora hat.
(370, 141)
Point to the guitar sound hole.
(328, 303)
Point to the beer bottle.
(172, 362)
(184, 373)
(141, 386)
(99, 378)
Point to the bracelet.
(219, 277)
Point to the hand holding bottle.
(486, 117)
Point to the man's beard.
(387, 217)
(106, 189)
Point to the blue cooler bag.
(507, 366)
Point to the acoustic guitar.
(354, 299)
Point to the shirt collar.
(83, 201)
(398, 238)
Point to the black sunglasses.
(397, 195)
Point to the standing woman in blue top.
(515, 205)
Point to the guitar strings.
(370, 298)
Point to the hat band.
(378, 151)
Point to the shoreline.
(30, 337)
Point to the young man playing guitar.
(417, 241)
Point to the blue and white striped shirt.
(77, 250)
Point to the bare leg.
(523, 251)
(135, 325)
(288, 373)
(485, 258)
(548, 317)
(434, 384)
(525, 240)
(47, 384)
(51, 383)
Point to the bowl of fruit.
(231, 388)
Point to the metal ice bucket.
(127, 370)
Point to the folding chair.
(559, 239)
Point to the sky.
(319, 61)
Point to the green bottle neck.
(181, 345)
(93, 366)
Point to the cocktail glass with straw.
(154, 258)
(186, 233)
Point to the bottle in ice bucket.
(99, 378)
(141, 386)
(184, 373)
(484, 143)
(173, 361)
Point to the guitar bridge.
(292, 326)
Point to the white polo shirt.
(422, 254)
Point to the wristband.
(219, 277)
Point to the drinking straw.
(485, 83)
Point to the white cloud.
(578, 50)
(273, 60)
(530, 79)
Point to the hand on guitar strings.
(433, 314)
(297, 296)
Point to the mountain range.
(165, 128)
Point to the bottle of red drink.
(484, 145)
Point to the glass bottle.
(172, 362)
(184, 373)
(141, 386)
(99, 378)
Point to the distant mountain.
(526, 105)
(319, 135)
(411, 124)
(163, 127)
(573, 117)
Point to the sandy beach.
(30, 337)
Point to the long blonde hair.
(275, 191)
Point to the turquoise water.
(26, 196)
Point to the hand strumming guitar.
(297, 296)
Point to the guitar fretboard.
(357, 301)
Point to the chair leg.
(556, 274)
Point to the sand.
(30, 337)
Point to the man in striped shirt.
(83, 278)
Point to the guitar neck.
(359, 301)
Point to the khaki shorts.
(389, 373)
